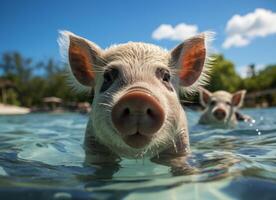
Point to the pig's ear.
(238, 97)
(204, 96)
(191, 60)
(81, 56)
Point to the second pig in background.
(221, 108)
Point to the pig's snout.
(219, 113)
(137, 116)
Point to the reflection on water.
(41, 156)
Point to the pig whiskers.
(174, 72)
(157, 154)
(102, 60)
(108, 93)
(96, 69)
(105, 105)
(173, 139)
(106, 96)
(185, 101)
(174, 145)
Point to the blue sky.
(31, 26)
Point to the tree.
(31, 88)
(224, 76)
(265, 79)
(251, 72)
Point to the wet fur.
(137, 63)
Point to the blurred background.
(32, 73)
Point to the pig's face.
(220, 106)
(132, 96)
(136, 108)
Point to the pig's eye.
(110, 75)
(163, 74)
(166, 76)
(228, 103)
(213, 102)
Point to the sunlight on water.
(43, 152)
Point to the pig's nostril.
(126, 112)
(149, 112)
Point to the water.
(41, 157)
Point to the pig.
(221, 108)
(136, 111)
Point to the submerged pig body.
(136, 110)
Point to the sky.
(245, 29)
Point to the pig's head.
(136, 110)
(220, 106)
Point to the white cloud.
(241, 30)
(180, 32)
(236, 41)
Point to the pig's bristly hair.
(64, 43)
(208, 62)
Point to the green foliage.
(266, 79)
(12, 97)
(224, 76)
(29, 88)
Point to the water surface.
(41, 157)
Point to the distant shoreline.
(13, 110)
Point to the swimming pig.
(221, 108)
(136, 111)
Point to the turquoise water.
(41, 157)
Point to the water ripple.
(43, 153)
